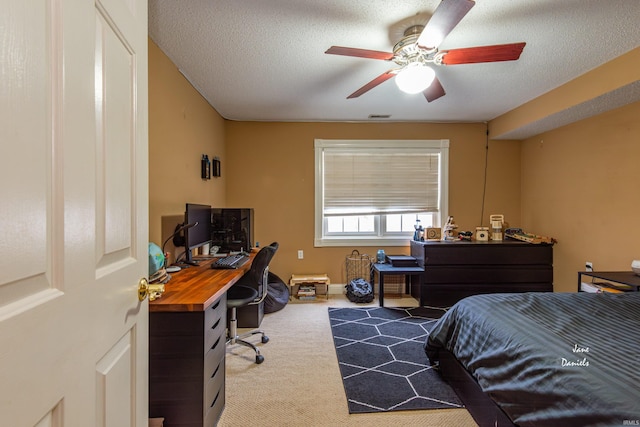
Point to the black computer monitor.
(200, 234)
(232, 229)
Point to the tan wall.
(270, 167)
(618, 73)
(580, 185)
(182, 127)
(576, 183)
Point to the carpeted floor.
(382, 361)
(299, 383)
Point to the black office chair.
(250, 289)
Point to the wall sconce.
(205, 167)
(215, 166)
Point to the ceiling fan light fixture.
(415, 78)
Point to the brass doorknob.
(143, 289)
(152, 291)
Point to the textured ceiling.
(264, 60)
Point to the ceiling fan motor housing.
(407, 51)
(419, 47)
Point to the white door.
(73, 213)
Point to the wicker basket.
(358, 266)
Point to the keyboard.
(231, 261)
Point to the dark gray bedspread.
(550, 358)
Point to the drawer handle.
(216, 371)
(216, 343)
(215, 399)
(215, 305)
(215, 325)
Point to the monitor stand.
(188, 259)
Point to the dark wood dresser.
(187, 346)
(457, 269)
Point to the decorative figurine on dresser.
(450, 229)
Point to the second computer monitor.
(232, 229)
(199, 234)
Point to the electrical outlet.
(300, 254)
(589, 266)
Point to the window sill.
(351, 241)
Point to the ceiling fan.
(419, 47)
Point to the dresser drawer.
(444, 295)
(488, 274)
(488, 254)
(456, 269)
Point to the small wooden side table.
(320, 283)
(384, 269)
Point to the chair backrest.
(257, 276)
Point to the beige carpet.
(299, 382)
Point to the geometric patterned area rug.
(382, 360)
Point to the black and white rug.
(382, 360)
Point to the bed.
(543, 359)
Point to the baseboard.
(336, 289)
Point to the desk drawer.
(215, 311)
(214, 388)
(214, 360)
(212, 416)
(215, 323)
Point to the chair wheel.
(259, 359)
(265, 339)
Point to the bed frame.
(482, 408)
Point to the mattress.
(549, 359)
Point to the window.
(370, 193)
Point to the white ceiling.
(264, 60)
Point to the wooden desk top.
(197, 287)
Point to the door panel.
(115, 141)
(74, 217)
(115, 389)
(29, 68)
